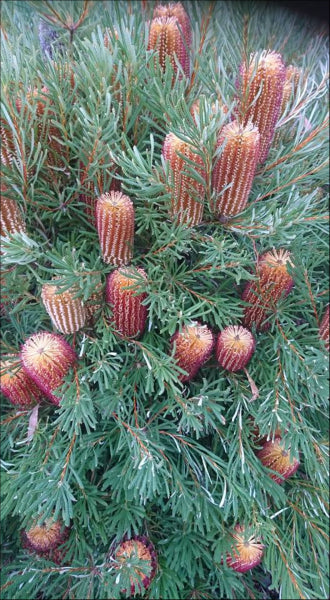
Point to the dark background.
(317, 10)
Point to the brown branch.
(68, 457)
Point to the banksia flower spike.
(187, 194)
(140, 549)
(247, 551)
(46, 358)
(115, 227)
(324, 328)
(274, 456)
(235, 167)
(176, 10)
(273, 282)
(165, 37)
(45, 539)
(129, 315)
(11, 220)
(17, 386)
(66, 311)
(193, 347)
(262, 84)
(235, 347)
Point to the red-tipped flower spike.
(193, 347)
(165, 37)
(16, 384)
(235, 346)
(176, 10)
(273, 282)
(66, 311)
(274, 456)
(324, 328)
(187, 194)
(235, 167)
(140, 549)
(247, 551)
(128, 313)
(115, 226)
(45, 539)
(262, 84)
(46, 358)
(11, 220)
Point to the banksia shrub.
(11, 219)
(261, 89)
(193, 347)
(46, 358)
(45, 539)
(247, 551)
(115, 227)
(165, 37)
(187, 194)
(273, 282)
(16, 384)
(129, 315)
(234, 348)
(274, 456)
(66, 310)
(235, 167)
(136, 560)
(324, 328)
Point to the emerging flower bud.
(45, 539)
(115, 226)
(187, 194)
(273, 282)
(235, 167)
(235, 346)
(292, 76)
(193, 347)
(46, 358)
(16, 384)
(66, 311)
(11, 220)
(247, 551)
(140, 549)
(274, 456)
(128, 313)
(324, 328)
(165, 37)
(262, 84)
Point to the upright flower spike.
(46, 358)
(128, 313)
(262, 85)
(45, 539)
(66, 311)
(16, 384)
(193, 347)
(273, 282)
(140, 549)
(274, 456)
(235, 167)
(11, 219)
(115, 227)
(165, 37)
(187, 194)
(324, 328)
(176, 10)
(235, 347)
(247, 551)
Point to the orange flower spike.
(187, 194)
(273, 282)
(141, 548)
(11, 220)
(166, 39)
(247, 552)
(65, 310)
(193, 347)
(274, 456)
(324, 328)
(235, 347)
(128, 313)
(115, 227)
(17, 386)
(45, 539)
(176, 10)
(235, 167)
(262, 85)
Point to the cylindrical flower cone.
(115, 227)
(176, 10)
(234, 169)
(66, 311)
(187, 194)
(138, 548)
(17, 386)
(46, 358)
(193, 347)
(165, 37)
(247, 551)
(262, 84)
(273, 282)
(11, 219)
(45, 539)
(324, 328)
(129, 315)
(235, 347)
(274, 456)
